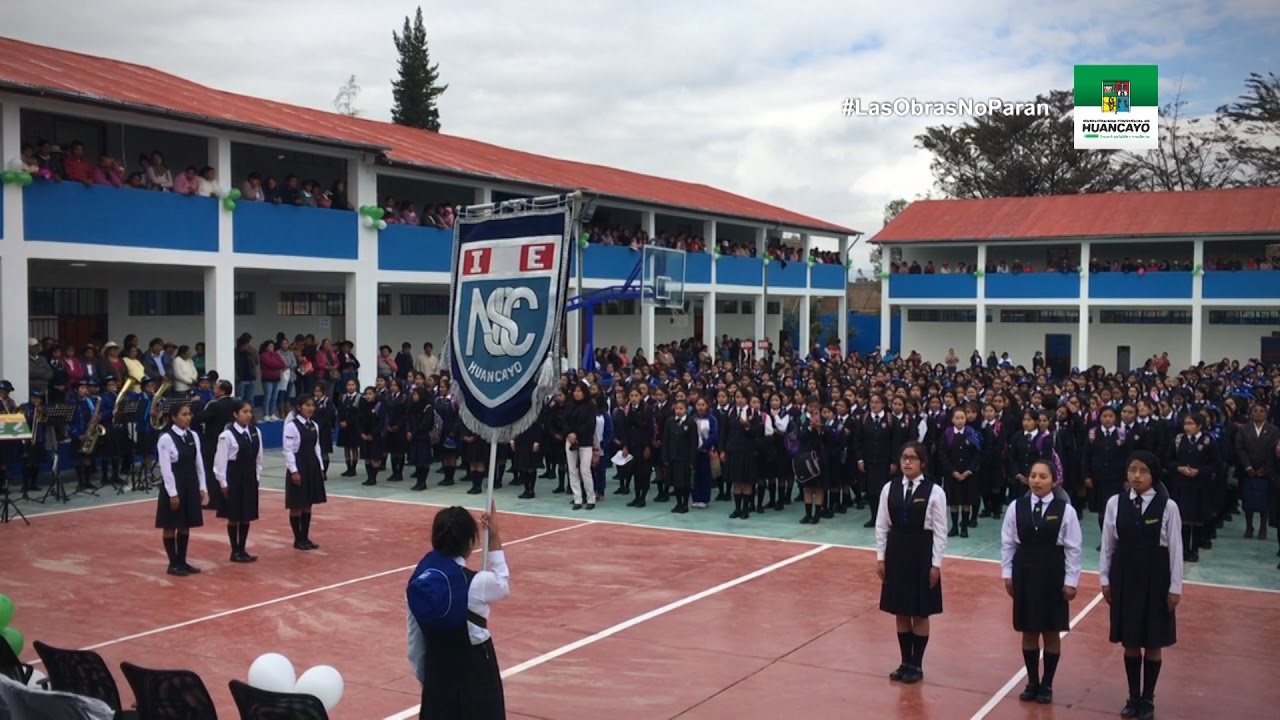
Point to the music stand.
(126, 414)
(57, 416)
(8, 508)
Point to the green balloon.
(229, 204)
(9, 176)
(582, 243)
(235, 194)
(14, 638)
(25, 179)
(377, 213)
(6, 611)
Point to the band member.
(179, 455)
(107, 453)
(960, 457)
(238, 469)
(911, 538)
(679, 450)
(78, 430)
(1140, 570)
(304, 466)
(8, 406)
(1040, 558)
(348, 432)
(145, 435)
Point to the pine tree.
(417, 90)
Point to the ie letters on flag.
(507, 294)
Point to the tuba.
(158, 421)
(133, 373)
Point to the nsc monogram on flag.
(510, 276)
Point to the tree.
(1256, 115)
(417, 90)
(891, 210)
(1194, 154)
(344, 102)
(1010, 155)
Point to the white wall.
(1237, 342)
(931, 339)
(1143, 341)
(1023, 340)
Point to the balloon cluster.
(371, 217)
(1199, 269)
(274, 673)
(229, 200)
(584, 240)
(9, 634)
(21, 178)
(978, 273)
(884, 275)
(715, 253)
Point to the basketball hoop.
(679, 318)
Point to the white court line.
(1022, 673)
(608, 632)
(297, 595)
(39, 514)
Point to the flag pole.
(488, 496)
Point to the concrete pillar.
(1197, 303)
(1082, 343)
(11, 195)
(15, 326)
(484, 196)
(886, 308)
(762, 300)
(842, 320)
(220, 331)
(980, 329)
(709, 321)
(362, 285)
(804, 342)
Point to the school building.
(79, 262)
(1105, 279)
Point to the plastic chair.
(256, 704)
(13, 668)
(82, 672)
(169, 694)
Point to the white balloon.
(323, 682)
(273, 672)
(15, 164)
(367, 221)
(382, 224)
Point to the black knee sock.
(737, 503)
(449, 473)
(530, 480)
(171, 549)
(1150, 674)
(1133, 670)
(233, 534)
(182, 539)
(1032, 660)
(920, 643)
(295, 523)
(904, 646)
(808, 510)
(477, 477)
(759, 495)
(773, 491)
(306, 527)
(1050, 667)
(955, 519)
(351, 465)
(243, 536)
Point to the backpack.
(437, 426)
(437, 593)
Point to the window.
(384, 303)
(312, 303)
(67, 301)
(411, 304)
(773, 308)
(726, 307)
(1244, 317)
(1145, 317)
(246, 303)
(1039, 316)
(964, 316)
(615, 307)
(166, 302)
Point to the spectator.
(197, 359)
(144, 164)
(288, 193)
(188, 183)
(39, 371)
(273, 367)
(404, 361)
(251, 190)
(184, 370)
(158, 176)
(49, 161)
(323, 199)
(306, 196)
(29, 162)
(408, 213)
(108, 172)
(427, 363)
(135, 181)
(208, 185)
(76, 166)
(338, 196)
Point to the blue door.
(1057, 354)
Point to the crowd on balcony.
(406, 213)
(635, 238)
(1096, 265)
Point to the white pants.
(580, 481)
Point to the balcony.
(267, 229)
(829, 277)
(606, 262)
(1244, 285)
(794, 275)
(697, 268)
(1148, 286)
(1030, 286)
(948, 287)
(733, 270)
(419, 249)
(70, 212)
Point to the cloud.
(744, 97)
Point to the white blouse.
(1170, 537)
(167, 455)
(292, 444)
(229, 449)
(1069, 538)
(935, 519)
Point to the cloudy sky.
(745, 97)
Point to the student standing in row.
(1140, 570)
(1040, 559)
(911, 538)
(679, 450)
(238, 468)
(182, 493)
(304, 466)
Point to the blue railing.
(1243, 284)
(607, 262)
(933, 286)
(697, 268)
(1033, 285)
(1152, 285)
(268, 229)
(100, 215)
(422, 249)
(828, 277)
(733, 270)
(794, 275)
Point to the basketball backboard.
(662, 277)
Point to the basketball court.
(607, 618)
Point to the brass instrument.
(133, 379)
(93, 431)
(158, 421)
(37, 419)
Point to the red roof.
(36, 69)
(1242, 211)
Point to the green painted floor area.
(1232, 561)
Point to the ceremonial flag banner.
(14, 427)
(507, 294)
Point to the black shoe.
(349, 473)
(964, 531)
(985, 513)
(912, 676)
(1206, 545)
(780, 506)
(1030, 693)
(842, 509)
(526, 495)
(681, 508)
(577, 506)
(396, 477)
(591, 506)
(896, 675)
(446, 482)
(178, 570)
(474, 491)
(806, 520)
(191, 570)
(300, 545)
(1131, 708)
(1045, 695)
(1146, 710)
(640, 504)
(735, 514)
(1192, 556)
(242, 557)
(419, 486)
(634, 503)
(953, 532)
(1248, 533)
(622, 491)
(828, 513)
(869, 524)
(662, 497)
(559, 490)
(369, 482)
(310, 545)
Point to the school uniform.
(679, 448)
(421, 420)
(525, 460)
(875, 446)
(181, 461)
(1193, 494)
(1106, 452)
(1025, 449)
(238, 469)
(1141, 561)
(708, 434)
(911, 538)
(301, 447)
(742, 427)
(1040, 545)
(325, 418)
(960, 452)
(348, 405)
